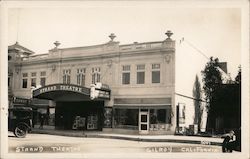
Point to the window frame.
(96, 74)
(66, 76)
(25, 76)
(140, 68)
(126, 74)
(81, 76)
(156, 68)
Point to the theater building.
(107, 87)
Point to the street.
(43, 143)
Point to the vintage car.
(20, 121)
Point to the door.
(143, 122)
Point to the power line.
(199, 51)
(191, 98)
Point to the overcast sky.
(216, 32)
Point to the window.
(96, 75)
(126, 74)
(33, 82)
(126, 118)
(156, 74)
(33, 79)
(66, 76)
(158, 116)
(43, 81)
(43, 73)
(140, 74)
(43, 78)
(25, 75)
(33, 74)
(25, 80)
(80, 77)
(25, 83)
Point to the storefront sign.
(61, 87)
(99, 90)
(104, 94)
(18, 100)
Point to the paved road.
(42, 143)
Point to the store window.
(126, 118)
(43, 78)
(126, 74)
(80, 77)
(140, 74)
(156, 74)
(159, 118)
(25, 80)
(66, 76)
(96, 75)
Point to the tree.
(212, 79)
(197, 103)
(238, 77)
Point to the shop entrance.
(144, 121)
(84, 115)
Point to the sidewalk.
(144, 138)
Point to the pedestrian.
(41, 121)
(229, 142)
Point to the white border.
(243, 4)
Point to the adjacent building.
(108, 87)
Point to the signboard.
(61, 87)
(107, 117)
(99, 91)
(181, 113)
(103, 93)
(18, 100)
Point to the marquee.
(48, 91)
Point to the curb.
(153, 140)
(126, 138)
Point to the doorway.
(144, 121)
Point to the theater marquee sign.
(61, 87)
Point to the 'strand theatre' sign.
(61, 87)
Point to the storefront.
(73, 107)
(143, 115)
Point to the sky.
(214, 31)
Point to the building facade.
(135, 85)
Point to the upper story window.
(43, 73)
(140, 74)
(43, 78)
(66, 76)
(80, 76)
(25, 75)
(156, 73)
(126, 74)
(33, 79)
(96, 74)
(25, 80)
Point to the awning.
(62, 92)
(140, 106)
(142, 103)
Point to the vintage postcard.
(124, 79)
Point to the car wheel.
(20, 131)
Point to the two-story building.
(136, 93)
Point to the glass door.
(143, 122)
